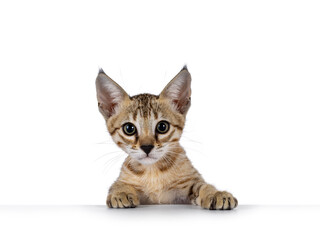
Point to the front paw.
(219, 201)
(122, 200)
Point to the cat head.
(147, 127)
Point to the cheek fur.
(124, 142)
(172, 136)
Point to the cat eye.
(163, 127)
(129, 129)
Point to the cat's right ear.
(109, 94)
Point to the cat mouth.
(147, 160)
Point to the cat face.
(147, 127)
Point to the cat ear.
(178, 91)
(109, 94)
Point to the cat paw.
(122, 200)
(219, 201)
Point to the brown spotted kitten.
(148, 128)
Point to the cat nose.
(147, 148)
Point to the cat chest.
(159, 189)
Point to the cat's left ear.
(178, 91)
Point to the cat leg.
(122, 195)
(208, 197)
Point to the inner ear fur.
(109, 94)
(178, 91)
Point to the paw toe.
(122, 200)
(223, 201)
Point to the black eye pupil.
(163, 127)
(129, 129)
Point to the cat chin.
(147, 160)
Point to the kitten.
(148, 128)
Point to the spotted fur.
(164, 175)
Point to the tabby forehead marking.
(144, 105)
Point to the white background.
(253, 127)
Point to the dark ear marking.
(185, 67)
(101, 71)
